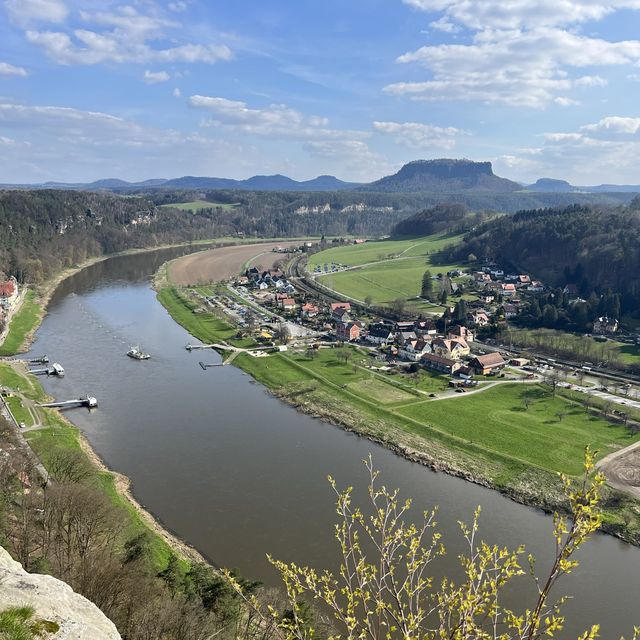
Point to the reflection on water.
(238, 474)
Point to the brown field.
(219, 264)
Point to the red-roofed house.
(8, 293)
(347, 331)
(310, 310)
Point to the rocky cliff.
(53, 600)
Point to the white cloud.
(276, 120)
(81, 127)
(24, 12)
(615, 125)
(353, 157)
(121, 36)
(517, 14)
(445, 25)
(420, 136)
(520, 68)
(7, 69)
(153, 77)
(607, 151)
(176, 93)
(565, 102)
(178, 6)
(62, 143)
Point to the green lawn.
(27, 385)
(497, 420)
(20, 413)
(377, 250)
(198, 205)
(21, 325)
(394, 268)
(385, 281)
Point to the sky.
(354, 88)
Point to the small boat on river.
(137, 354)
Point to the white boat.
(137, 354)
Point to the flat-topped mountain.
(444, 175)
(551, 185)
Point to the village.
(271, 307)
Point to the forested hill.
(45, 231)
(594, 248)
(442, 217)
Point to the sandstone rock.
(53, 600)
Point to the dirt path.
(220, 264)
(622, 469)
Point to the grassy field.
(377, 250)
(386, 281)
(22, 323)
(394, 268)
(198, 205)
(498, 421)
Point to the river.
(238, 474)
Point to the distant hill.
(550, 185)
(444, 176)
(255, 183)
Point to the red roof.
(340, 305)
(7, 288)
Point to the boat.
(137, 354)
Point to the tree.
(427, 285)
(385, 588)
(444, 296)
(398, 306)
(368, 300)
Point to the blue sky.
(355, 88)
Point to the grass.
(19, 411)
(198, 205)
(498, 421)
(488, 436)
(385, 281)
(378, 250)
(21, 325)
(204, 326)
(27, 385)
(392, 268)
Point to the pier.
(88, 401)
(56, 369)
(39, 360)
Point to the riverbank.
(318, 389)
(29, 316)
(54, 433)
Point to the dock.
(87, 401)
(56, 369)
(38, 360)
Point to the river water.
(238, 474)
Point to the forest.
(45, 231)
(597, 249)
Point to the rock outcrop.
(53, 600)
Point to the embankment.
(308, 391)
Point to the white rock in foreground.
(54, 600)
